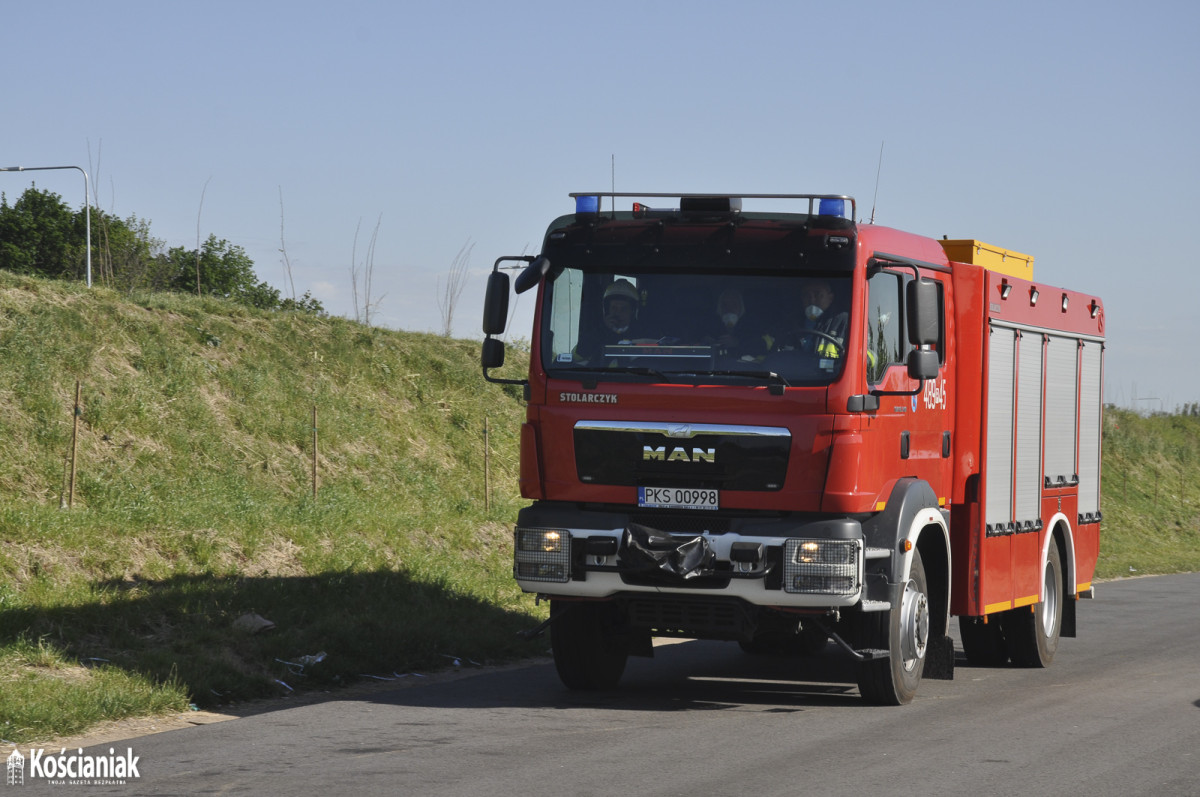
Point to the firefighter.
(619, 310)
(619, 323)
(733, 333)
(819, 315)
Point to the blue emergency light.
(832, 207)
(587, 204)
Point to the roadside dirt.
(136, 727)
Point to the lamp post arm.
(87, 203)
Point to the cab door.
(914, 430)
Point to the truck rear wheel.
(1033, 635)
(589, 652)
(903, 631)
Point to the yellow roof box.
(993, 258)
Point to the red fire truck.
(789, 429)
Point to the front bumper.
(800, 562)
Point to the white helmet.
(622, 289)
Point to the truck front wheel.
(589, 651)
(903, 632)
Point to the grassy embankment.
(193, 505)
(1151, 495)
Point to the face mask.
(619, 330)
(812, 312)
(729, 320)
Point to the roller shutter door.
(1002, 349)
(1090, 408)
(1027, 485)
(1062, 381)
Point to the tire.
(589, 652)
(903, 631)
(984, 643)
(1033, 635)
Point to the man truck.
(812, 432)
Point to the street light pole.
(86, 203)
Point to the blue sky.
(1062, 130)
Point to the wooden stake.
(74, 448)
(487, 470)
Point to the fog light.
(542, 555)
(824, 585)
(535, 571)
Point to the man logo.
(660, 454)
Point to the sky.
(425, 133)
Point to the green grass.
(1151, 495)
(46, 694)
(193, 504)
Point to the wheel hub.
(914, 625)
(1050, 604)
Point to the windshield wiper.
(666, 375)
(771, 375)
(641, 370)
(616, 369)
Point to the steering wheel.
(839, 347)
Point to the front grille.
(710, 619)
(707, 456)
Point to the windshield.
(692, 327)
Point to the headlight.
(540, 541)
(822, 567)
(542, 555)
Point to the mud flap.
(939, 658)
(652, 554)
(1068, 617)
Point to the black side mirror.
(924, 317)
(924, 328)
(923, 364)
(533, 273)
(493, 353)
(495, 311)
(495, 304)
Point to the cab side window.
(886, 345)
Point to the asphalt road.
(1118, 713)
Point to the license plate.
(678, 498)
